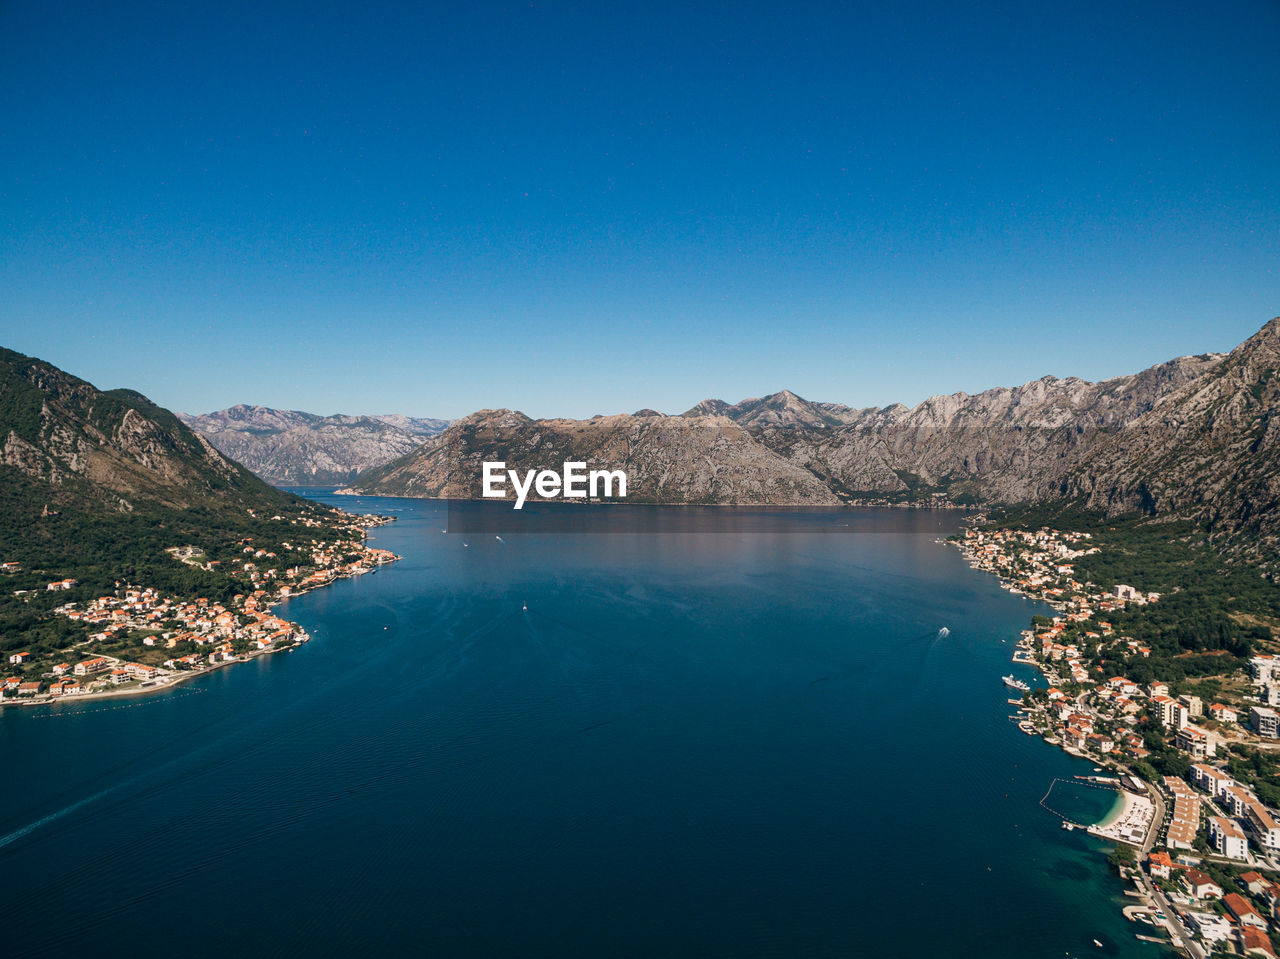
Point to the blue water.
(718, 743)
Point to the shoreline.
(347, 491)
(177, 678)
(1127, 809)
(1121, 807)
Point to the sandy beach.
(1129, 823)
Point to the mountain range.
(107, 479)
(292, 448)
(1195, 437)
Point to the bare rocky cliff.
(1001, 445)
(1007, 444)
(1209, 451)
(709, 460)
(1195, 437)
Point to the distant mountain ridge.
(293, 448)
(1196, 436)
(778, 409)
(667, 459)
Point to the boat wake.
(54, 816)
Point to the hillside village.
(138, 639)
(1199, 833)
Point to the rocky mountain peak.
(293, 448)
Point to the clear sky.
(596, 207)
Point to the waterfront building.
(1209, 927)
(90, 666)
(1100, 743)
(1160, 865)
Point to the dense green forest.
(99, 548)
(1213, 612)
(95, 486)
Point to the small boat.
(524, 607)
(1098, 944)
(1014, 683)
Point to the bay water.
(740, 739)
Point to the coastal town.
(136, 639)
(1196, 832)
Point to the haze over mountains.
(1194, 437)
(292, 448)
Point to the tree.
(1121, 857)
(1145, 770)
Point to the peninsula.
(134, 555)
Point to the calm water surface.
(727, 742)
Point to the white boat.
(1014, 683)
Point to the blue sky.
(581, 208)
